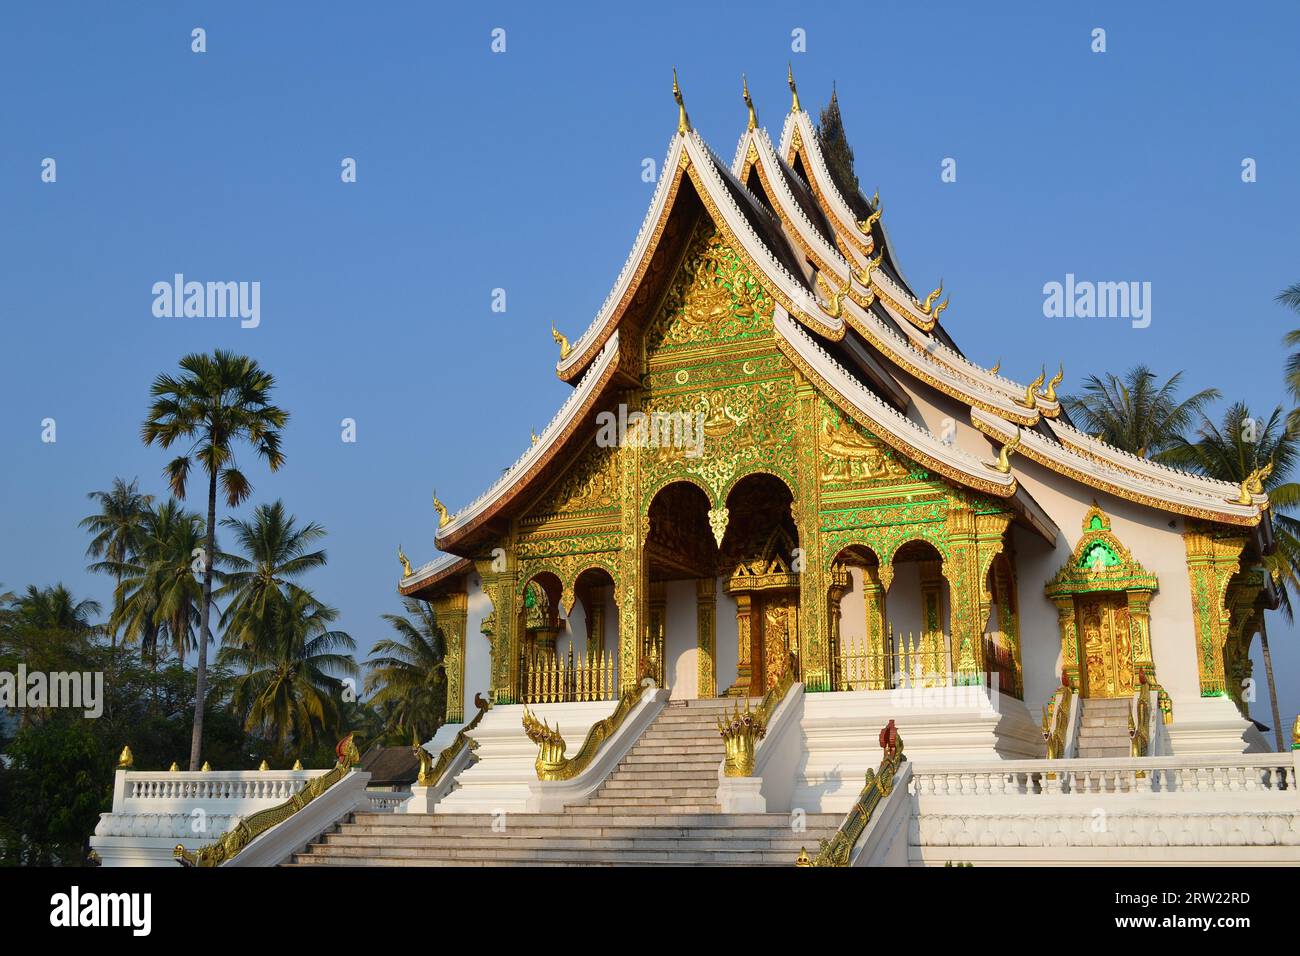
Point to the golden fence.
(912, 660)
(547, 678)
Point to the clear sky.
(522, 170)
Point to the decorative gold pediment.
(1100, 562)
(772, 569)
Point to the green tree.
(290, 688)
(117, 530)
(1136, 413)
(217, 401)
(1290, 297)
(406, 673)
(259, 582)
(159, 596)
(1231, 451)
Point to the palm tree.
(406, 672)
(159, 597)
(276, 550)
(49, 629)
(118, 528)
(1136, 413)
(220, 399)
(1231, 451)
(289, 690)
(1290, 297)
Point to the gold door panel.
(1106, 646)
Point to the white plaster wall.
(903, 600)
(478, 650)
(1148, 534)
(726, 644)
(853, 612)
(681, 642)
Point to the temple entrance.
(1106, 644)
(757, 565)
(681, 564)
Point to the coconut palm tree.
(118, 529)
(159, 597)
(1136, 413)
(276, 552)
(1230, 451)
(219, 400)
(290, 686)
(407, 676)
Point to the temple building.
(789, 567)
(774, 449)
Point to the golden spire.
(562, 340)
(1004, 456)
(744, 91)
(406, 565)
(439, 507)
(794, 90)
(264, 766)
(533, 434)
(174, 768)
(297, 765)
(206, 768)
(126, 760)
(1050, 393)
(683, 121)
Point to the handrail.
(838, 850)
(551, 763)
(431, 771)
(230, 844)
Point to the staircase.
(1103, 731)
(658, 807)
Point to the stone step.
(681, 749)
(637, 777)
(589, 827)
(685, 761)
(791, 843)
(604, 805)
(509, 855)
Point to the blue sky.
(522, 171)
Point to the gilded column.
(632, 578)
(961, 568)
(501, 627)
(1212, 558)
(595, 607)
(654, 649)
(706, 631)
(744, 647)
(452, 620)
(1069, 638)
(1004, 583)
(812, 563)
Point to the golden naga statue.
(426, 761)
(562, 340)
(406, 565)
(438, 506)
(938, 309)
(550, 757)
(683, 121)
(930, 299)
(1049, 393)
(741, 733)
(1004, 456)
(1254, 484)
(864, 225)
(744, 91)
(1030, 398)
(836, 298)
(997, 367)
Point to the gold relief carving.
(718, 523)
(849, 454)
(590, 484)
(1213, 558)
(705, 623)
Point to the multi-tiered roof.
(846, 318)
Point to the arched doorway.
(681, 560)
(759, 568)
(918, 624)
(856, 615)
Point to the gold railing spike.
(126, 759)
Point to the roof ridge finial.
(744, 91)
(683, 121)
(794, 90)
